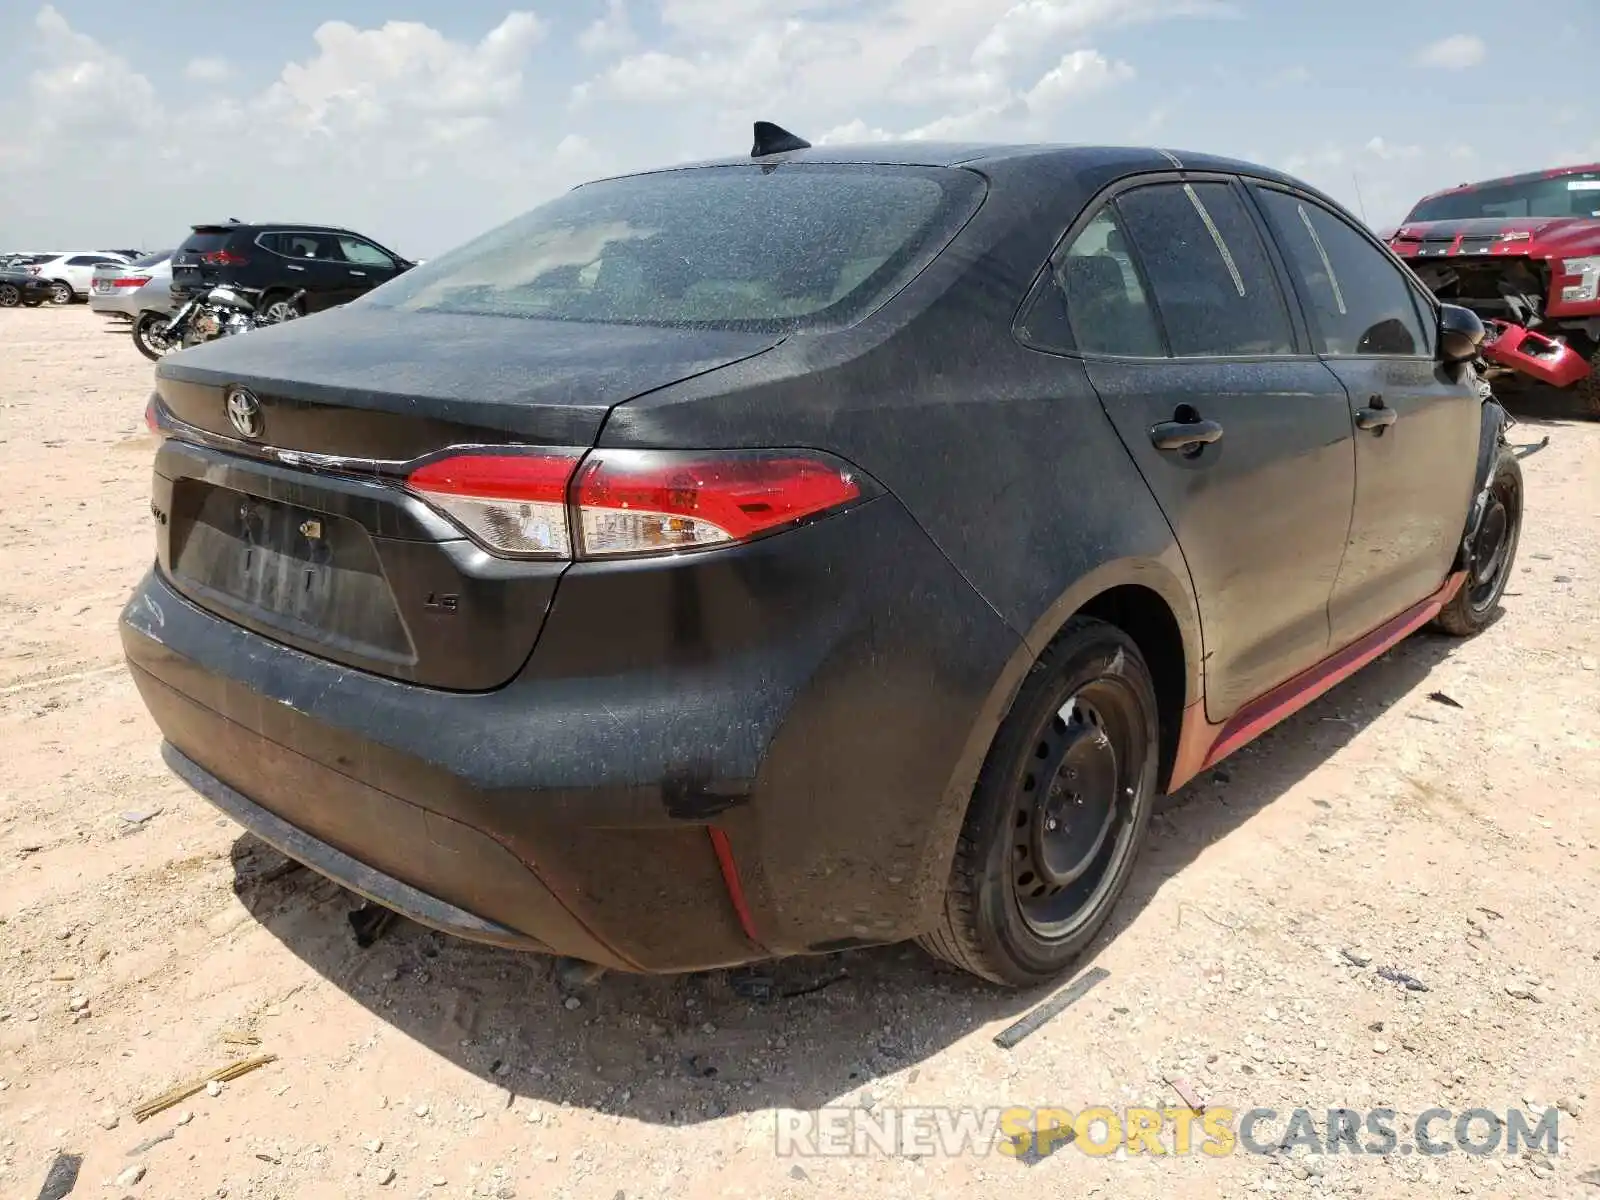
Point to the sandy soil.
(1455, 842)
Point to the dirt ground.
(145, 941)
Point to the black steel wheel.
(1492, 555)
(1059, 814)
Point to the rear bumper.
(752, 753)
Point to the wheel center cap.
(1079, 811)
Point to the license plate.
(311, 574)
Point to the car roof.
(260, 226)
(1504, 180)
(994, 158)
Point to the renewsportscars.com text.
(1022, 1132)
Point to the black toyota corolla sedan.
(810, 550)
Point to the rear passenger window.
(1213, 282)
(1106, 304)
(1360, 302)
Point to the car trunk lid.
(302, 531)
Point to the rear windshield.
(153, 260)
(1564, 196)
(204, 241)
(721, 247)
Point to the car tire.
(10, 295)
(1059, 813)
(278, 307)
(61, 292)
(141, 335)
(1493, 554)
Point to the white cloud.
(208, 70)
(1077, 74)
(609, 34)
(83, 87)
(1379, 148)
(1454, 53)
(852, 133)
(365, 77)
(1028, 25)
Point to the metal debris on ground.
(63, 1177)
(369, 923)
(182, 1092)
(1185, 1093)
(1410, 982)
(1442, 698)
(572, 973)
(1080, 987)
(149, 1144)
(753, 985)
(1355, 960)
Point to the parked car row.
(68, 274)
(281, 270)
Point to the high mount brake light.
(544, 504)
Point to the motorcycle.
(221, 312)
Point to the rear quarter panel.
(1001, 454)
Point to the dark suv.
(331, 265)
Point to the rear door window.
(1105, 305)
(1214, 285)
(300, 243)
(1360, 302)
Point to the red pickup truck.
(1524, 254)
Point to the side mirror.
(1460, 333)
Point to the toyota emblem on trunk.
(244, 413)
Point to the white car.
(71, 273)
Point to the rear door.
(306, 259)
(367, 265)
(1416, 427)
(1243, 436)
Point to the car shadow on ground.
(1536, 405)
(692, 1048)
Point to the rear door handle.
(1184, 435)
(363, 274)
(292, 267)
(1376, 417)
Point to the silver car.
(125, 291)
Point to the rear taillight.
(544, 504)
(512, 503)
(648, 501)
(130, 281)
(152, 418)
(223, 258)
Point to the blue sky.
(423, 124)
